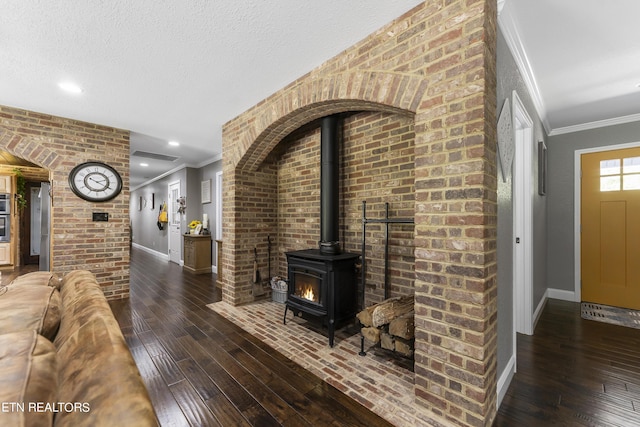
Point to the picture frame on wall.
(205, 191)
(542, 168)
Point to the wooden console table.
(197, 253)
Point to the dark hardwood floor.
(202, 370)
(574, 372)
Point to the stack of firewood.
(391, 324)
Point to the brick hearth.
(379, 384)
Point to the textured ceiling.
(178, 70)
(171, 70)
(581, 59)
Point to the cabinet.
(5, 254)
(197, 253)
(5, 184)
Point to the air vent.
(155, 156)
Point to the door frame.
(171, 213)
(522, 219)
(577, 208)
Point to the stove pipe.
(329, 186)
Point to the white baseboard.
(538, 312)
(562, 295)
(151, 251)
(505, 378)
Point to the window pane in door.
(610, 183)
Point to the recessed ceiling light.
(144, 164)
(70, 87)
(174, 143)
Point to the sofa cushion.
(82, 300)
(96, 368)
(30, 308)
(42, 278)
(29, 377)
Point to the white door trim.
(174, 246)
(219, 205)
(523, 218)
(577, 206)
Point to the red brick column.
(437, 63)
(456, 210)
(77, 242)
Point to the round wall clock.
(95, 181)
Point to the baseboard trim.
(561, 294)
(505, 379)
(151, 251)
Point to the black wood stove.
(323, 282)
(322, 286)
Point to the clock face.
(95, 181)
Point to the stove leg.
(362, 352)
(331, 332)
(284, 320)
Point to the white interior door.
(523, 220)
(175, 218)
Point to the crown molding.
(512, 37)
(501, 5)
(595, 125)
(202, 164)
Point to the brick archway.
(27, 149)
(311, 99)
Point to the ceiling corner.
(509, 27)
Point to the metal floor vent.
(155, 156)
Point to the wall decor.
(506, 141)
(95, 181)
(542, 168)
(205, 191)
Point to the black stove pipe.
(329, 186)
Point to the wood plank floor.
(574, 372)
(202, 370)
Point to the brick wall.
(435, 64)
(376, 167)
(58, 144)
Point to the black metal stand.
(386, 221)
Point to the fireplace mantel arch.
(313, 98)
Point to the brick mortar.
(436, 64)
(58, 144)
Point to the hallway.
(574, 372)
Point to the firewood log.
(390, 309)
(365, 316)
(387, 341)
(371, 334)
(403, 347)
(403, 326)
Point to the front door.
(610, 219)
(175, 218)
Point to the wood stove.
(322, 287)
(323, 282)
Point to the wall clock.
(95, 181)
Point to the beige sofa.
(63, 358)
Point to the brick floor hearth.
(376, 382)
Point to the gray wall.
(560, 211)
(510, 79)
(144, 227)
